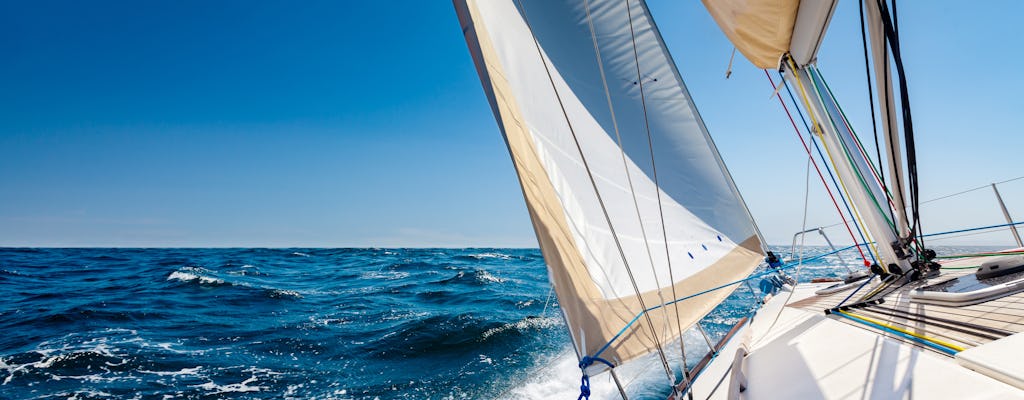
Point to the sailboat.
(644, 231)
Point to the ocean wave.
(476, 277)
(195, 274)
(12, 273)
(345, 323)
(436, 334)
(73, 359)
(182, 372)
(523, 325)
(204, 277)
(488, 255)
(385, 275)
(283, 294)
(241, 387)
(300, 254)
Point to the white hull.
(796, 351)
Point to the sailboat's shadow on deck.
(810, 363)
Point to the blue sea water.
(301, 323)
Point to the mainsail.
(631, 203)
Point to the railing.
(1010, 226)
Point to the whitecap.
(524, 324)
(482, 256)
(485, 277)
(190, 277)
(182, 372)
(279, 293)
(241, 387)
(385, 275)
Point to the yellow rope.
(901, 330)
(817, 130)
(881, 287)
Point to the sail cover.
(628, 196)
(764, 30)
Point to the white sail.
(631, 203)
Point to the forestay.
(631, 203)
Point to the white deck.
(804, 354)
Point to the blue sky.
(242, 123)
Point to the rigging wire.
(808, 149)
(815, 77)
(874, 122)
(600, 200)
(625, 165)
(661, 213)
(824, 162)
(843, 150)
(971, 190)
(986, 186)
(892, 34)
(871, 99)
(877, 174)
(800, 259)
(807, 103)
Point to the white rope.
(800, 259)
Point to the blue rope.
(870, 278)
(584, 388)
(585, 381)
(974, 229)
(755, 276)
(938, 347)
(588, 361)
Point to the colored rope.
(832, 176)
(815, 79)
(870, 278)
(955, 326)
(941, 345)
(761, 275)
(875, 170)
(808, 149)
(818, 127)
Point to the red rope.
(864, 154)
(822, 177)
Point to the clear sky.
(328, 123)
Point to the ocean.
(304, 323)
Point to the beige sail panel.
(760, 29)
(557, 245)
(638, 340)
